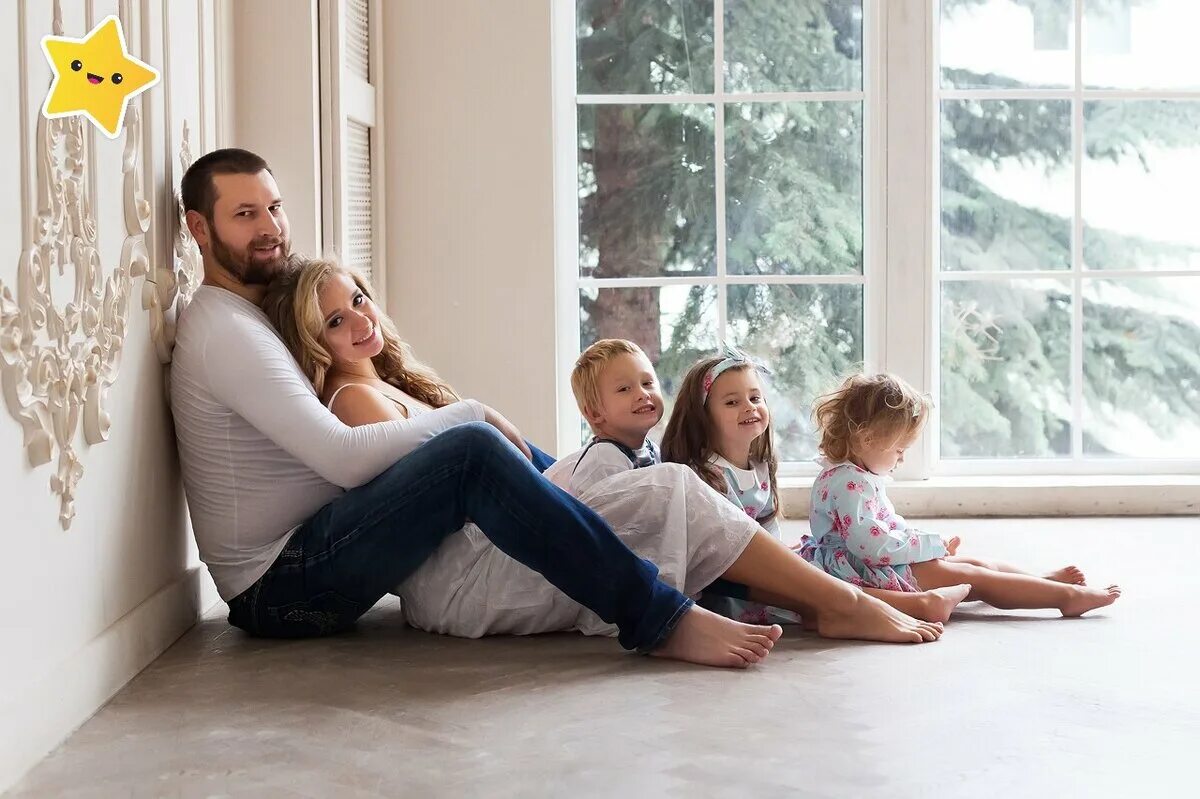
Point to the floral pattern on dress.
(858, 537)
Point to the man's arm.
(251, 371)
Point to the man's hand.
(510, 431)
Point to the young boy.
(618, 393)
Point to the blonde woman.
(366, 375)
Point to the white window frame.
(1076, 463)
(901, 224)
(346, 97)
(569, 282)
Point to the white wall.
(276, 111)
(470, 203)
(83, 610)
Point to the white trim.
(873, 187)
(718, 95)
(1064, 94)
(719, 182)
(713, 280)
(566, 219)
(1064, 274)
(379, 276)
(907, 278)
(1076, 377)
(932, 438)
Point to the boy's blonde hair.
(881, 407)
(585, 377)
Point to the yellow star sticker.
(95, 76)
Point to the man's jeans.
(365, 543)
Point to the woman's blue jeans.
(354, 550)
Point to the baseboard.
(46, 713)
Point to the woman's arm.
(358, 404)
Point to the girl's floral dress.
(857, 534)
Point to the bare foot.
(941, 602)
(705, 638)
(868, 619)
(1085, 599)
(1067, 574)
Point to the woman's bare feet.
(1067, 574)
(867, 619)
(939, 603)
(707, 639)
(1084, 599)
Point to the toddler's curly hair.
(880, 407)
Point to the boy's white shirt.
(603, 461)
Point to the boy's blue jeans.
(365, 543)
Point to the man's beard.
(246, 269)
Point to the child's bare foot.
(941, 602)
(705, 638)
(1067, 574)
(1085, 599)
(868, 619)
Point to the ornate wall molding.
(58, 360)
(168, 290)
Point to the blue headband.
(732, 357)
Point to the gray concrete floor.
(1012, 704)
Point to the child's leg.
(841, 611)
(933, 606)
(1007, 590)
(1067, 574)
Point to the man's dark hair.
(197, 189)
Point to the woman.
(363, 371)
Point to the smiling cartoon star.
(95, 76)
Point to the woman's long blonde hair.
(689, 433)
(293, 306)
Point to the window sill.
(1020, 495)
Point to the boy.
(618, 393)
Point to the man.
(305, 523)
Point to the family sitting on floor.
(326, 467)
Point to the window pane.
(810, 336)
(1141, 44)
(1141, 365)
(644, 46)
(1139, 184)
(794, 188)
(1006, 369)
(646, 193)
(675, 325)
(1007, 189)
(800, 45)
(1004, 44)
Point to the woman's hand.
(952, 545)
(510, 431)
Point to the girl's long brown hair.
(292, 304)
(688, 436)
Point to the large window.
(1069, 254)
(739, 170)
(720, 174)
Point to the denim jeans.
(366, 542)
